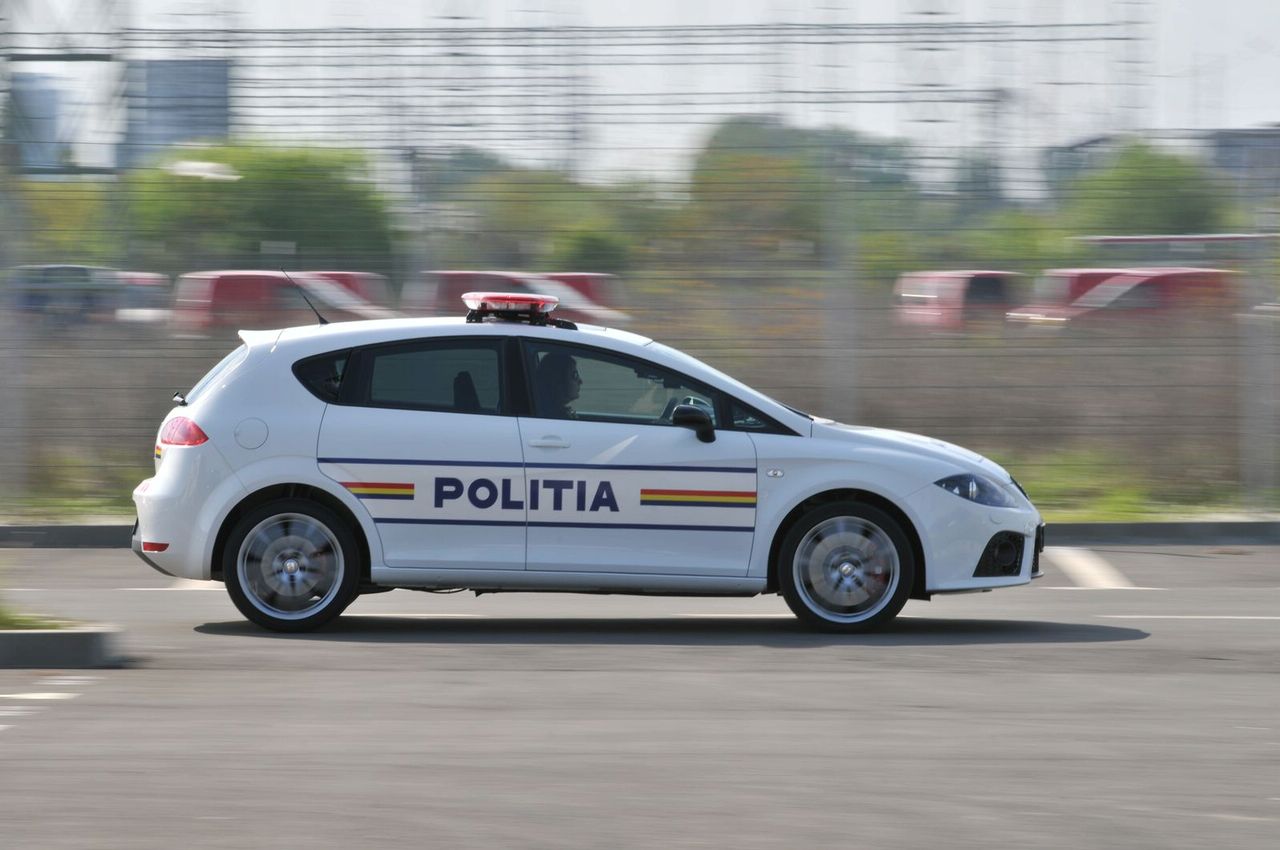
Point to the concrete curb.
(65, 536)
(84, 646)
(1248, 533)
(1242, 533)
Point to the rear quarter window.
(322, 375)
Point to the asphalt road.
(1131, 698)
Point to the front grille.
(1002, 556)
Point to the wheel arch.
(289, 491)
(849, 494)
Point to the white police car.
(512, 451)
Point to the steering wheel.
(669, 410)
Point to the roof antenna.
(303, 293)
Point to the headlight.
(975, 488)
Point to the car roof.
(340, 334)
(1139, 270)
(276, 273)
(963, 273)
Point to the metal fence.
(723, 173)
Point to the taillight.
(181, 431)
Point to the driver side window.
(569, 382)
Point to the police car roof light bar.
(514, 306)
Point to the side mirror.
(696, 419)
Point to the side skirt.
(567, 582)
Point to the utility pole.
(840, 283)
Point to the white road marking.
(418, 615)
(182, 584)
(1132, 587)
(740, 614)
(47, 695)
(1182, 617)
(16, 711)
(2, 728)
(66, 681)
(1085, 568)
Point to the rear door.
(423, 439)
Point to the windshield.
(1105, 293)
(227, 363)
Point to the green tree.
(590, 251)
(67, 222)
(525, 214)
(1144, 190)
(461, 166)
(319, 200)
(758, 183)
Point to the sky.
(1206, 63)
(1211, 62)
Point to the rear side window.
(322, 375)
(458, 376)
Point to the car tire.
(291, 565)
(846, 567)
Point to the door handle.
(549, 443)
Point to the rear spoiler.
(254, 339)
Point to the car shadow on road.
(691, 631)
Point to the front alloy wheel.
(291, 565)
(846, 567)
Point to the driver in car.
(558, 384)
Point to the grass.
(11, 620)
(64, 487)
(1070, 485)
(1098, 486)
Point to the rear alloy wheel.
(846, 567)
(291, 565)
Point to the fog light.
(1002, 556)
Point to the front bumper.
(955, 533)
(1039, 549)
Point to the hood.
(915, 444)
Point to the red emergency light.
(509, 302)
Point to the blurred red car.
(144, 297)
(371, 287)
(1076, 293)
(206, 301)
(953, 300)
(584, 297)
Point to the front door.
(614, 487)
